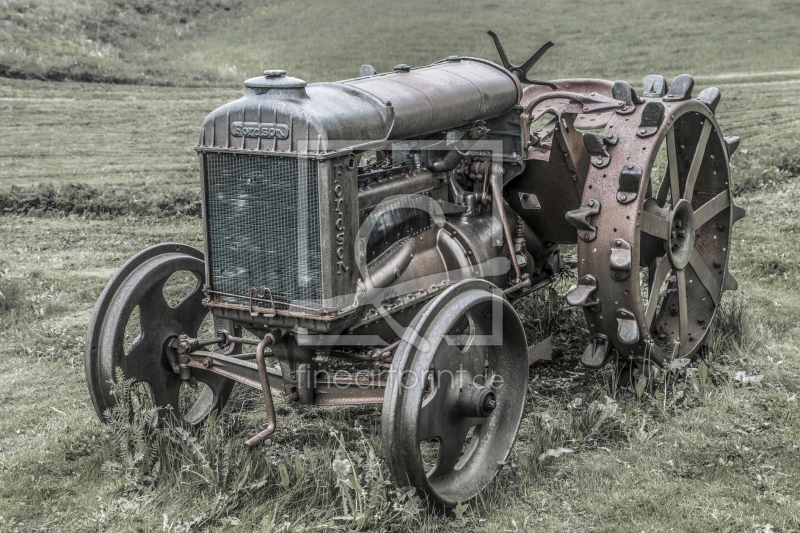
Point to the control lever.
(521, 71)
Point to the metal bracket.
(680, 89)
(580, 219)
(654, 86)
(623, 91)
(579, 296)
(529, 201)
(596, 146)
(652, 116)
(629, 179)
(627, 328)
(598, 352)
(710, 97)
(620, 259)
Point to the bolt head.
(585, 236)
(623, 197)
(643, 130)
(590, 203)
(619, 242)
(717, 264)
(701, 320)
(630, 166)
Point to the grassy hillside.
(719, 457)
(221, 42)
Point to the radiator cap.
(275, 79)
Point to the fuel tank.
(281, 114)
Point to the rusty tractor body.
(387, 222)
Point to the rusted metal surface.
(263, 378)
(675, 234)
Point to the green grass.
(721, 457)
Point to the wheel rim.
(441, 387)
(678, 231)
(140, 283)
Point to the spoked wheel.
(659, 260)
(140, 284)
(457, 384)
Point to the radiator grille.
(263, 228)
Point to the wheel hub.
(680, 241)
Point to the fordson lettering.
(259, 129)
(337, 191)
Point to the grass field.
(723, 458)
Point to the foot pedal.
(597, 353)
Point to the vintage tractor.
(389, 220)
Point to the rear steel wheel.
(458, 380)
(659, 260)
(139, 283)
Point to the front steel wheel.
(457, 385)
(139, 285)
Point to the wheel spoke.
(705, 275)
(663, 189)
(143, 361)
(659, 276)
(672, 160)
(708, 210)
(153, 309)
(450, 447)
(683, 312)
(474, 358)
(191, 311)
(655, 225)
(431, 415)
(697, 161)
(166, 393)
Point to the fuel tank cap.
(275, 79)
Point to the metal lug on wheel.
(596, 146)
(624, 92)
(738, 213)
(597, 353)
(580, 219)
(680, 89)
(629, 179)
(652, 116)
(654, 86)
(710, 97)
(620, 261)
(730, 283)
(627, 328)
(580, 295)
(731, 144)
